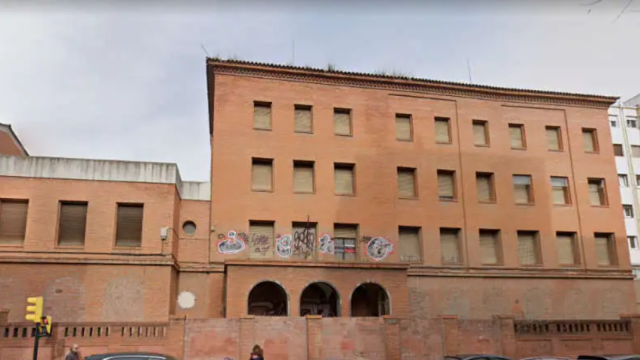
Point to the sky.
(128, 82)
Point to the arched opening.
(268, 299)
(319, 299)
(369, 300)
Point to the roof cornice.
(343, 78)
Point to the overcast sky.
(129, 83)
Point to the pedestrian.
(74, 353)
(256, 353)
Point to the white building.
(624, 119)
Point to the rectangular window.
(344, 179)
(304, 240)
(262, 115)
(567, 249)
(613, 120)
(262, 174)
(522, 190)
(597, 192)
(617, 150)
(528, 248)
(480, 133)
(623, 180)
(590, 140)
(554, 139)
(633, 242)
(490, 247)
(129, 229)
(450, 246)
(261, 239)
(406, 183)
(516, 136)
(627, 210)
(632, 122)
(443, 130)
(446, 185)
(303, 177)
(410, 244)
(560, 190)
(635, 151)
(342, 122)
(72, 223)
(605, 249)
(303, 119)
(485, 187)
(13, 221)
(404, 127)
(344, 237)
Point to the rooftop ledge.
(104, 170)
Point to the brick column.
(392, 337)
(247, 336)
(451, 337)
(634, 328)
(314, 337)
(175, 340)
(4, 316)
(507, 335)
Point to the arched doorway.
(320, 298)
(370, 300)
(268, 299)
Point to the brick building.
(335, 194)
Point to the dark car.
(547, 358)
(476, 357)
(609, 357)
(129, 356)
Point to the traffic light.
(34, 310)
(46, 322)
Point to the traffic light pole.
(35, 346)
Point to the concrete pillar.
(314, 337)
(392, 337)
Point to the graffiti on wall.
(378, 248)
(304, 242)
(326, 245)
(232, 243)
(283, 246)
(260, 244)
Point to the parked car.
(476, 357)
(547, 358)
(609, 357)
(129, 356)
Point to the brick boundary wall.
(316, 338)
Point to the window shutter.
(409, 244)
(635, 151)
(342, 122)
(515, 135)
(260, 240)
(480, 133)
(559, 190)
(527, 251)
(303, 178)
(129, 230)
(262, 176)
(262, 116)
(446, 185)
(566, 255)
(553, 138)
(617, 150)
(483, 183)
(489, 247)
(521, 189)
(603, 250)
(13, 221)
(303, 122)
(73, 221)
(406, 183)
(344, 180)
(442, 130)
(345, 231)
(403, 127)
(450, 246)
(588, 141)
(595, 194)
